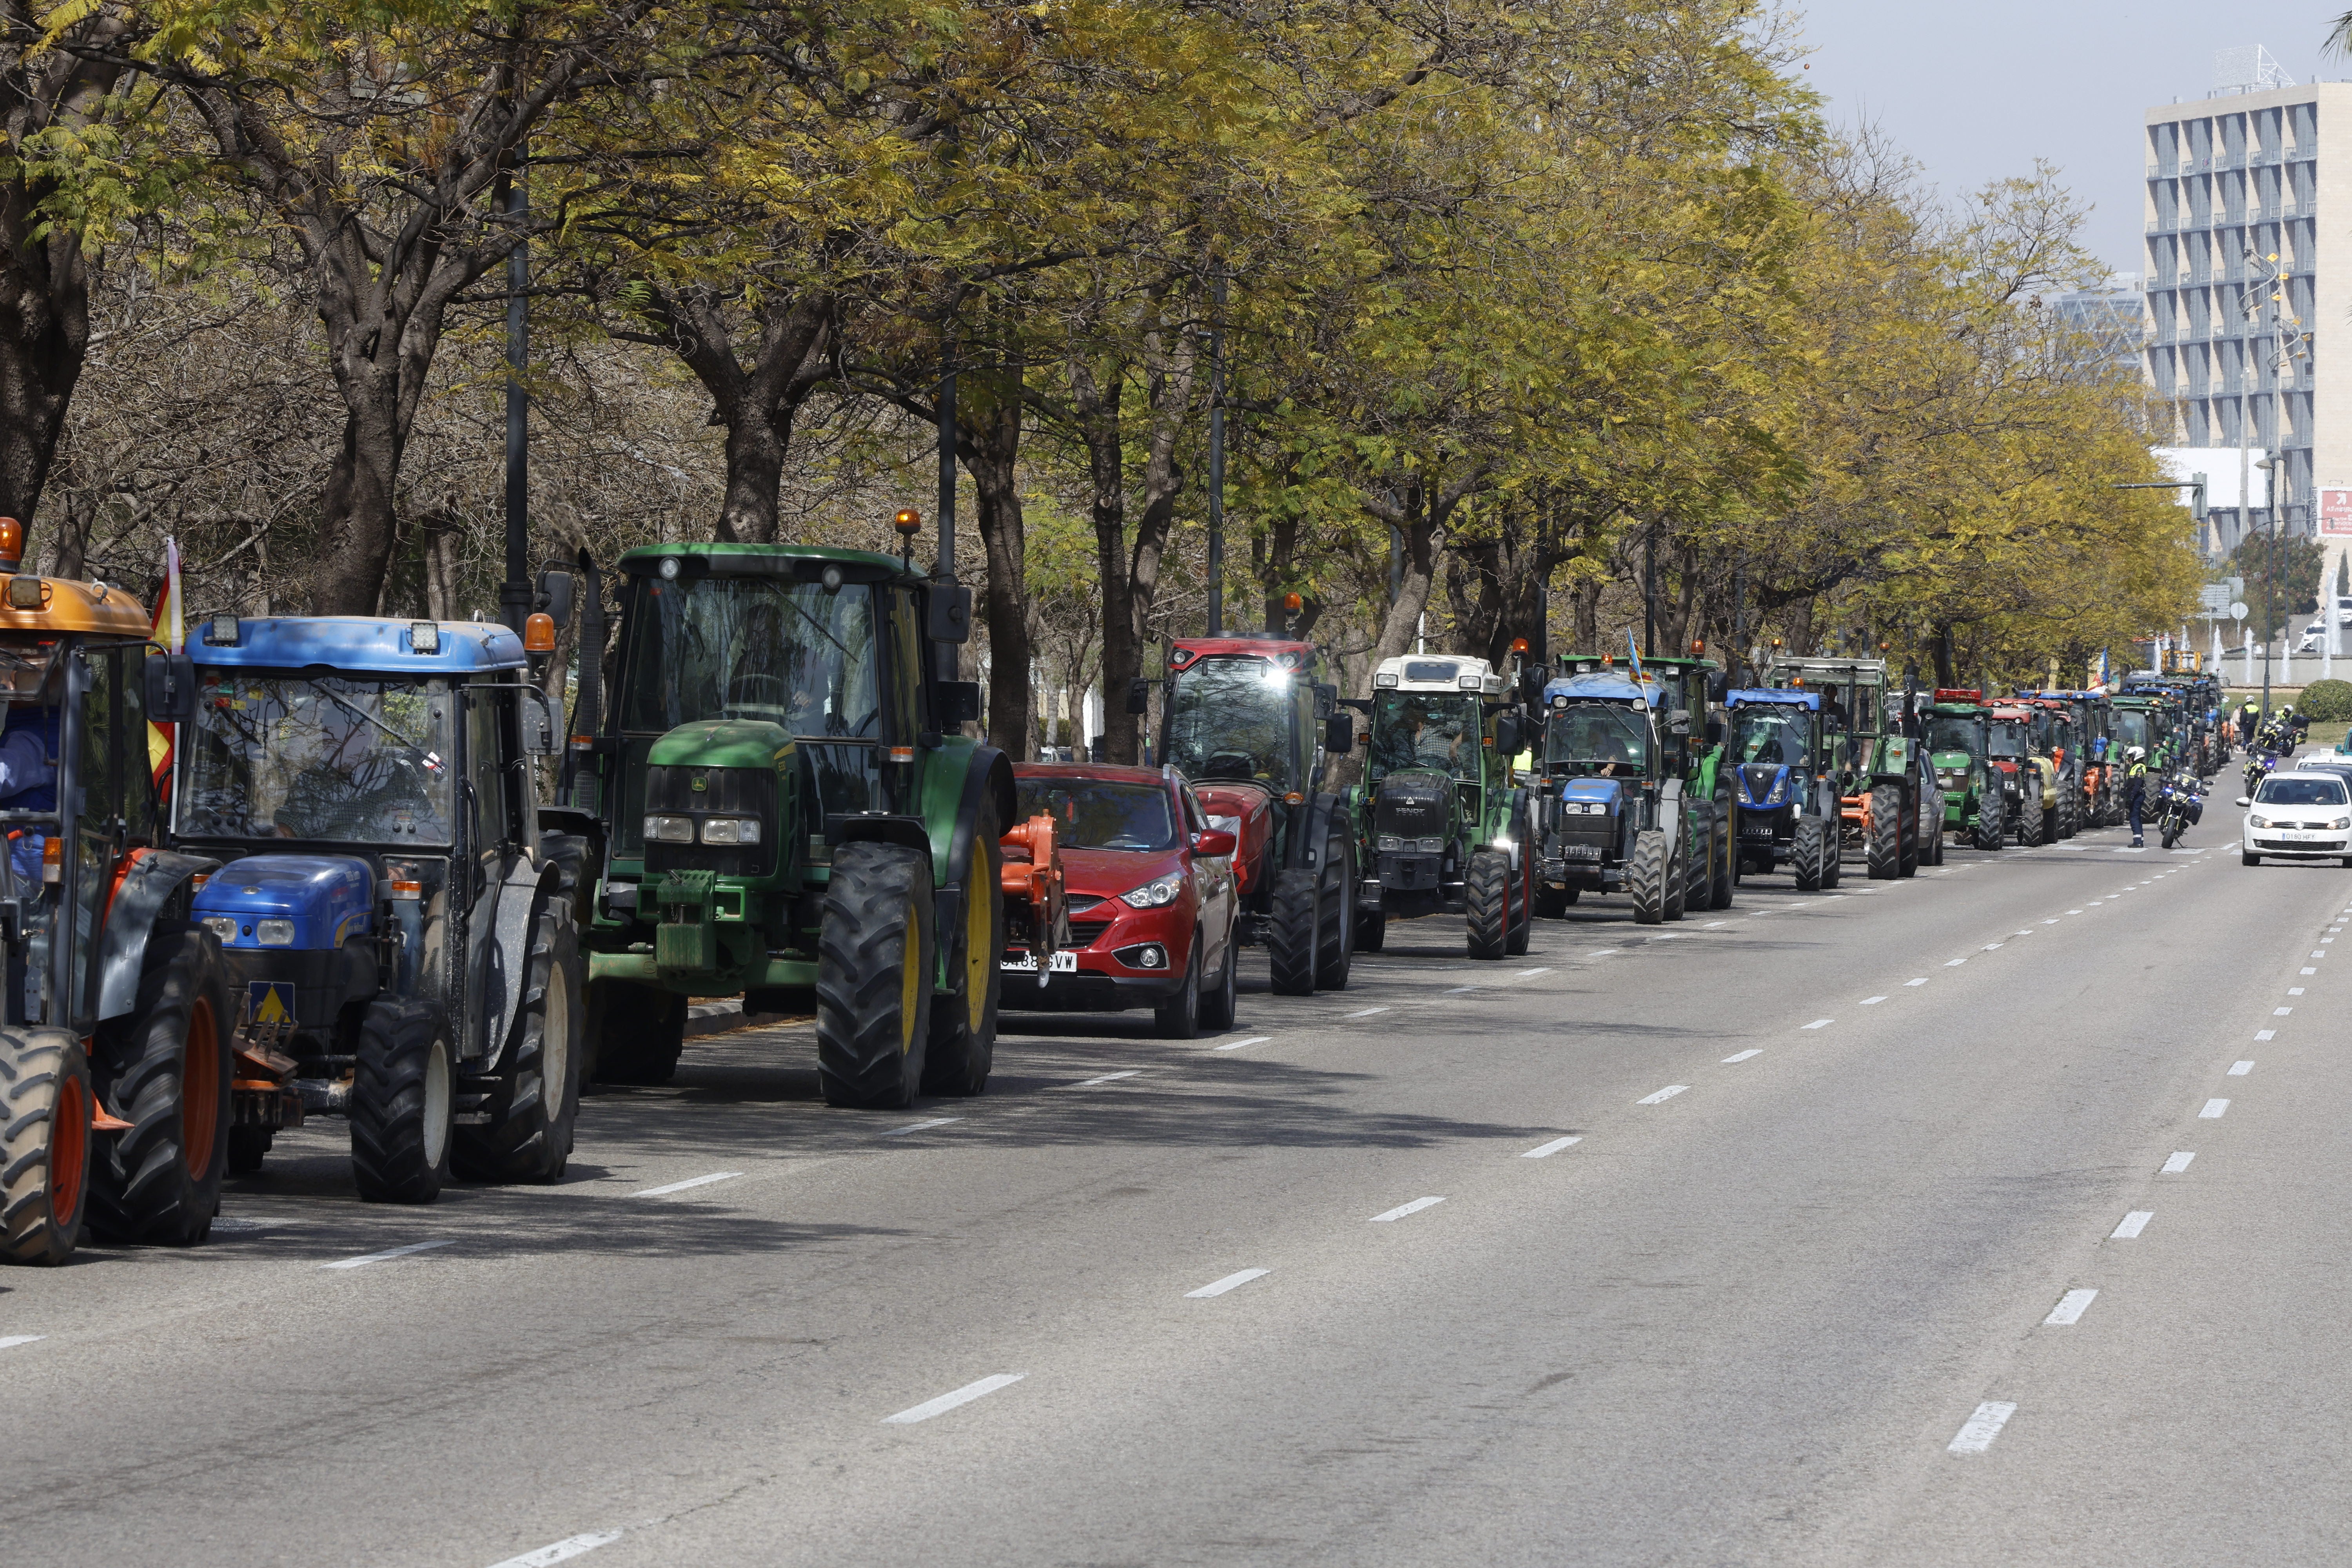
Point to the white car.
(2298, 816)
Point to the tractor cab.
(1249, 723)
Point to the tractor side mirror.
(1507, 735)
(1138, 696)
(555, 595)
(950, 614)
(1327, 699)
(957, 702)
(1338, 733)
(1678, 722)
(170, 687)
(538, 726)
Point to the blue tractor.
(400, 944)
(1784, 800)
(1615, 816)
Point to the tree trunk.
(357, 522)
(1095, 396)
(987, 415)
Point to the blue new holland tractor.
(1784, 804)
(400, 944)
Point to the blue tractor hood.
(356, 645)
(1749, 697)
(327, 898)
(1608, 792)
(1604, 686)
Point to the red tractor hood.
(1252, 804)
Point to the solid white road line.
(393, 1252)
(947, 1402)
(1106, 1077)
(1872, 1001)
(1404, 1209)
(563, 1551)
(2134, 1223)
(2239, 1069)
(1663, 1095)
(1821, 1023)
(919, 1126)
(689, 1182)
(1237, 1045)
(2213, 1109)
(10, 1342)
(1546, 1151)
(1231, 1281)
(1982, 1428)
(1743, 1055)
(1368, 1012)
(2070, 1307)
(2178, 1163)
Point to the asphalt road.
(1998, 1216)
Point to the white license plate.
(2303, 836)
(1060, 963)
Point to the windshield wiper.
(350, 707)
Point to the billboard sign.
(2336, 509)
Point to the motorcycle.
(2179, 807)
(2259, 764)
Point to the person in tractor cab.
(1839, 718)
(28, 743)
(2136, 789)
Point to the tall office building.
(2236, 337)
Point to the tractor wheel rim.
(68, 1150)
(978, 931)
(910, 965)
(436, 1104)
(200, 1088)
(555, 1041)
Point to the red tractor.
(1248, 725)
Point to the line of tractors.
(372, 868)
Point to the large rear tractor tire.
(1883, 849)
(874, 977)
(1726, 868)
(1806, 856)
(1523, 905)
(46, 1103)
(1292, 933)
(1371, 930)
(1646, 873)
(1487, 900)
(2069, 810)
(963, 1024)
(1678, 878)
(403, 1097)
(165, 1069)
(2030, 824)
(1334, 935)
(633, 1032)
(534, 1100)
(1991, 831)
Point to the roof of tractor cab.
(1434, 673)
(1781, 696)
(1604, 686)
(360, 645)
(71, 606)
(805, 562)
(1183, 652)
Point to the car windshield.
(1954, 732)
(1425, 729)
(1096, 813)
(356, 762)
(2005, 740)
(2131, 728)
(1775, 735)
(1230, 719)
(2299, 791)
(753, 648)
(1611, 739)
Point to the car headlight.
(730, 830)
(2258, 821)
(2341, 822)
(1159, 891)
(274, 933)
(1391, 843)
(221, 926)
(669, 830)
(1431, 846)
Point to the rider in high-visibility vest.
(2136, 788)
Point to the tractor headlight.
(1431, 846)
(669, 829)
(730, 830)
(221, 926)
(274, 933)
(1154, 894)
(1389, 843)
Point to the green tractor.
(1628, 798)
(1887, 787)
(2140, 721)
(1959, 747)
(779, 807)
(1439, 824)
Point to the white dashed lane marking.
(689, 1182)
(388, 1254)
(1231, 1281)
(2134, 1223)
(947, 1402)
(2070, 1307)
(563, 1551)
(1663, 1095)
(1546, 1151)
(2177, 1163)
(1404, 1209)
(2239, 1069)
(1981, 1428)
(1742, 1055)
(919, 1126)
(10, 1342)
(1237, 1045)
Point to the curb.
(725, 1017)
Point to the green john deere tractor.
(1888, 798)
(1958, 746)
(779, 807)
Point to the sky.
(1975, 92)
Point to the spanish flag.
(169, 632)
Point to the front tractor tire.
(1523, 923)
(1807, 856)
(963, 1023)
(874, 977)
(534, 1102)
(404, 1100)
(1335, 944)
(1883, 851)
(1992, 830)
(46, 1102)
(634, 1034)
(1647, 875)
(166, 1071)
(1292, 933)
(1487, 902)
(2030, 826)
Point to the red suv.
(1150, 898)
